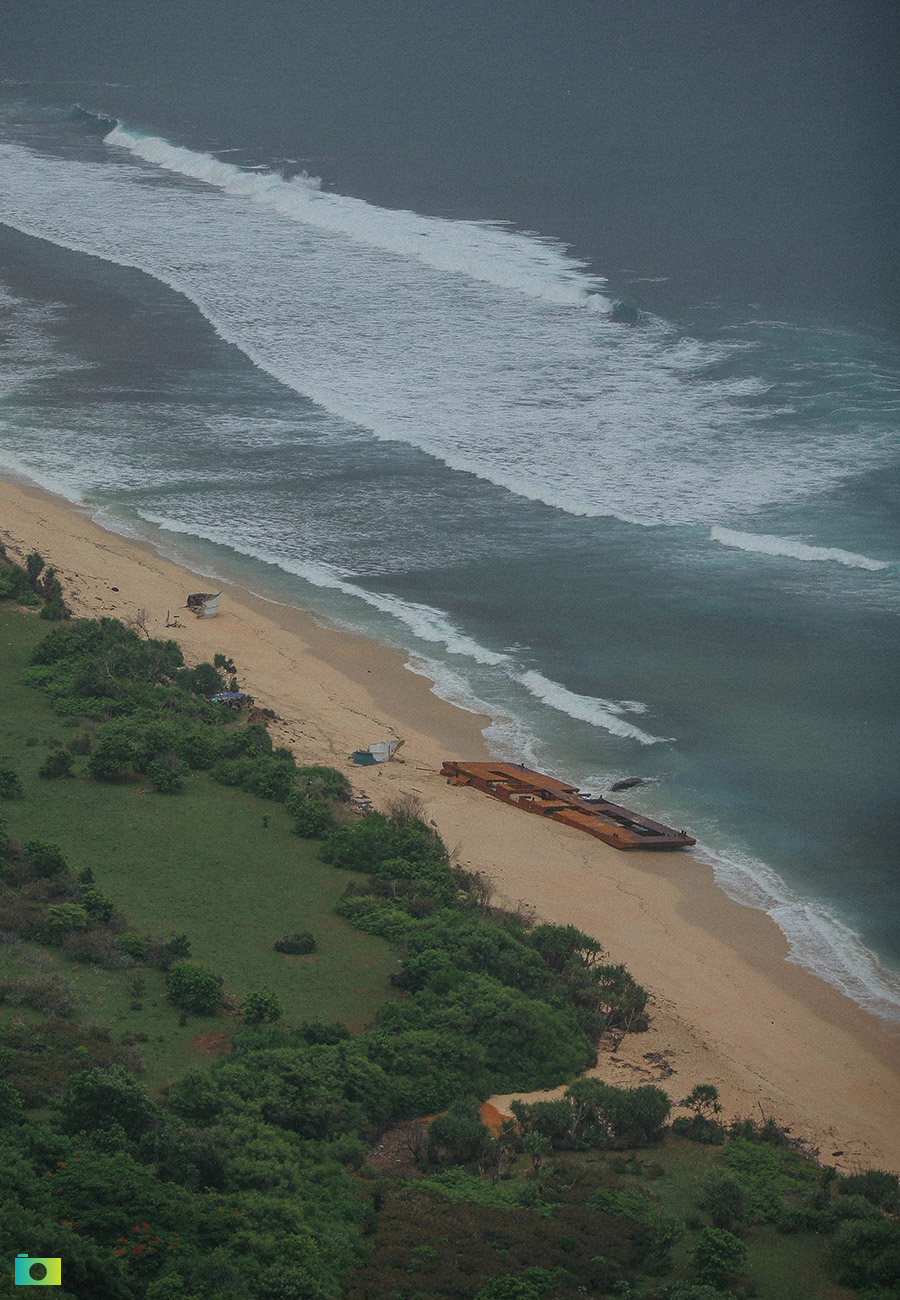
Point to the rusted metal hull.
(545, 796)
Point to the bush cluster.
(35, 585)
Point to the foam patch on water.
(789, 547)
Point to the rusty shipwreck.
(547, 797)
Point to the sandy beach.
(728, 1008)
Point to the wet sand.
(727, 1008)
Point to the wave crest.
(606, 714)
(481, 250)
(768, 544)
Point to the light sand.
(728, 1009)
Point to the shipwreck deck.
(546, 797)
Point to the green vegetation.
(145, 891)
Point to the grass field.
(211, 862)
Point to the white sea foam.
(766, 544)
(460, 338)
(479, 249)
(606, 714)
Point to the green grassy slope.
(211, 862)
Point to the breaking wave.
(606, 714)
(467, 340)
(482, 250)
(766, 544)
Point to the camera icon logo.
(33, 1271)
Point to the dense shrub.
(134, 945)
(166, 774)
(44, 992)
(760, 1168)
(113, 754)
(262, 1008)
(866, 1253)
(194, 989)
(718, 1256)
(10, 783)
(470, 942)
(460, 1137)
(98, 1098)
(697, 1128)
(880, 1188)
(62, 919)
(312, 815)
(57, 764)
(725, 1200)
(163, 954)
(621, 1117)
(96, 948)
(264, 775)
(525, 1043)
(253, 740)
(554, 1120)
(375, 839)
(325, 781)
(13, 582)
(45, 859)
(296, 943)
(98, 907)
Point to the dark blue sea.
(557, 344)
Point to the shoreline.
(727, 1006)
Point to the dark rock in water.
(628, 783)
(624, 314)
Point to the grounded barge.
(547, 797)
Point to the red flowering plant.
(144, 1250)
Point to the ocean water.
(328, 308)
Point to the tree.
(703, 1100)
(718, 1255)
(166, 774)
(10, 783)
(113, 754)
(58, 763)
(262, 1008)
(460, 1137)
(725, 1199)
(46, 859)
(536, 1146)
(98, 907)
(509, 1288)
(311, 814)
(62, 919)
(34, 563)
(97, 1099)
(194, 989)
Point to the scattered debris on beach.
(381, 751)
(204, 604)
